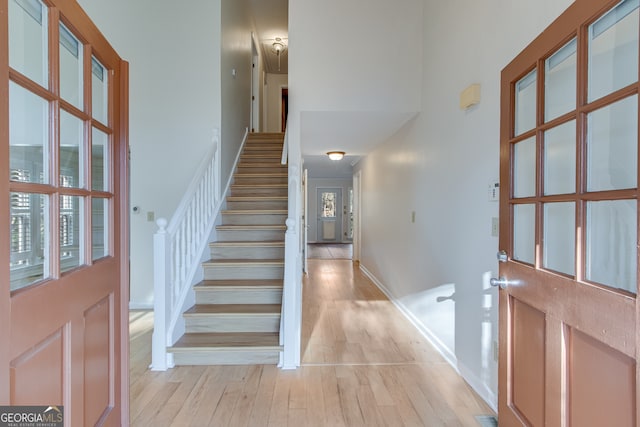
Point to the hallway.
(363, 364)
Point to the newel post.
(161, 260)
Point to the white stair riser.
(266, 272)
(257, 204)
(226, 357)
(250, 235)
(260, 179)
(239, 296)
(246, 252)
(275, 159)
(262, 146)
(263, 153)
(235, 323)
(259, 192)
(253, 219)
(261, 169)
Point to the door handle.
(502, 282)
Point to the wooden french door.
(569, 222)
(63, 227)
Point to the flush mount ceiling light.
(336, 155)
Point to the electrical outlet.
(495, 227)
(151, 216)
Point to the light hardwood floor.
(330, 250)
(363, 363)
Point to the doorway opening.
(285, 108)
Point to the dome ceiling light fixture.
(336, 155)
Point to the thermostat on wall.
(494, 191)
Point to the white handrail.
(178, 247)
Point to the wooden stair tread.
(255, 211)
(250, 227)
(244, 262)
(274, 155)
(261, 174)
(255, 198)
(229, 341)
(259, 186)
(234, 309)
(215, 284)
(259, 244)
(256, 164)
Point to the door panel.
(612, 389)
(40, 365)
(569, 222)
(528, 358)
(63, 238)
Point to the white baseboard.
(488, 395)
(474, 382)
(140, 306)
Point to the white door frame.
(357, 215)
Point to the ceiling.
(272, 21)
(356, 132)
(323, 167)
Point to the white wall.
(356, 55)
(273, 101)
(439, 165)
(180, 58)
(236, 90)
(312, 194)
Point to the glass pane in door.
(611, 243)
(524, 233)
(525, 114)
(99, 228)
(71, 81)
(28, 47)
(524, 168)
(99, 161)
(612, 146)
(71, 228)
(71, 151)
(559, 237)
(29, 239)
(99, 92)
(28, 134)
(328, 208)
(560, 159)
(613, 50)
(560, 81)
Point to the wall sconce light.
(336, 155)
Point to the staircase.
(236, 317)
